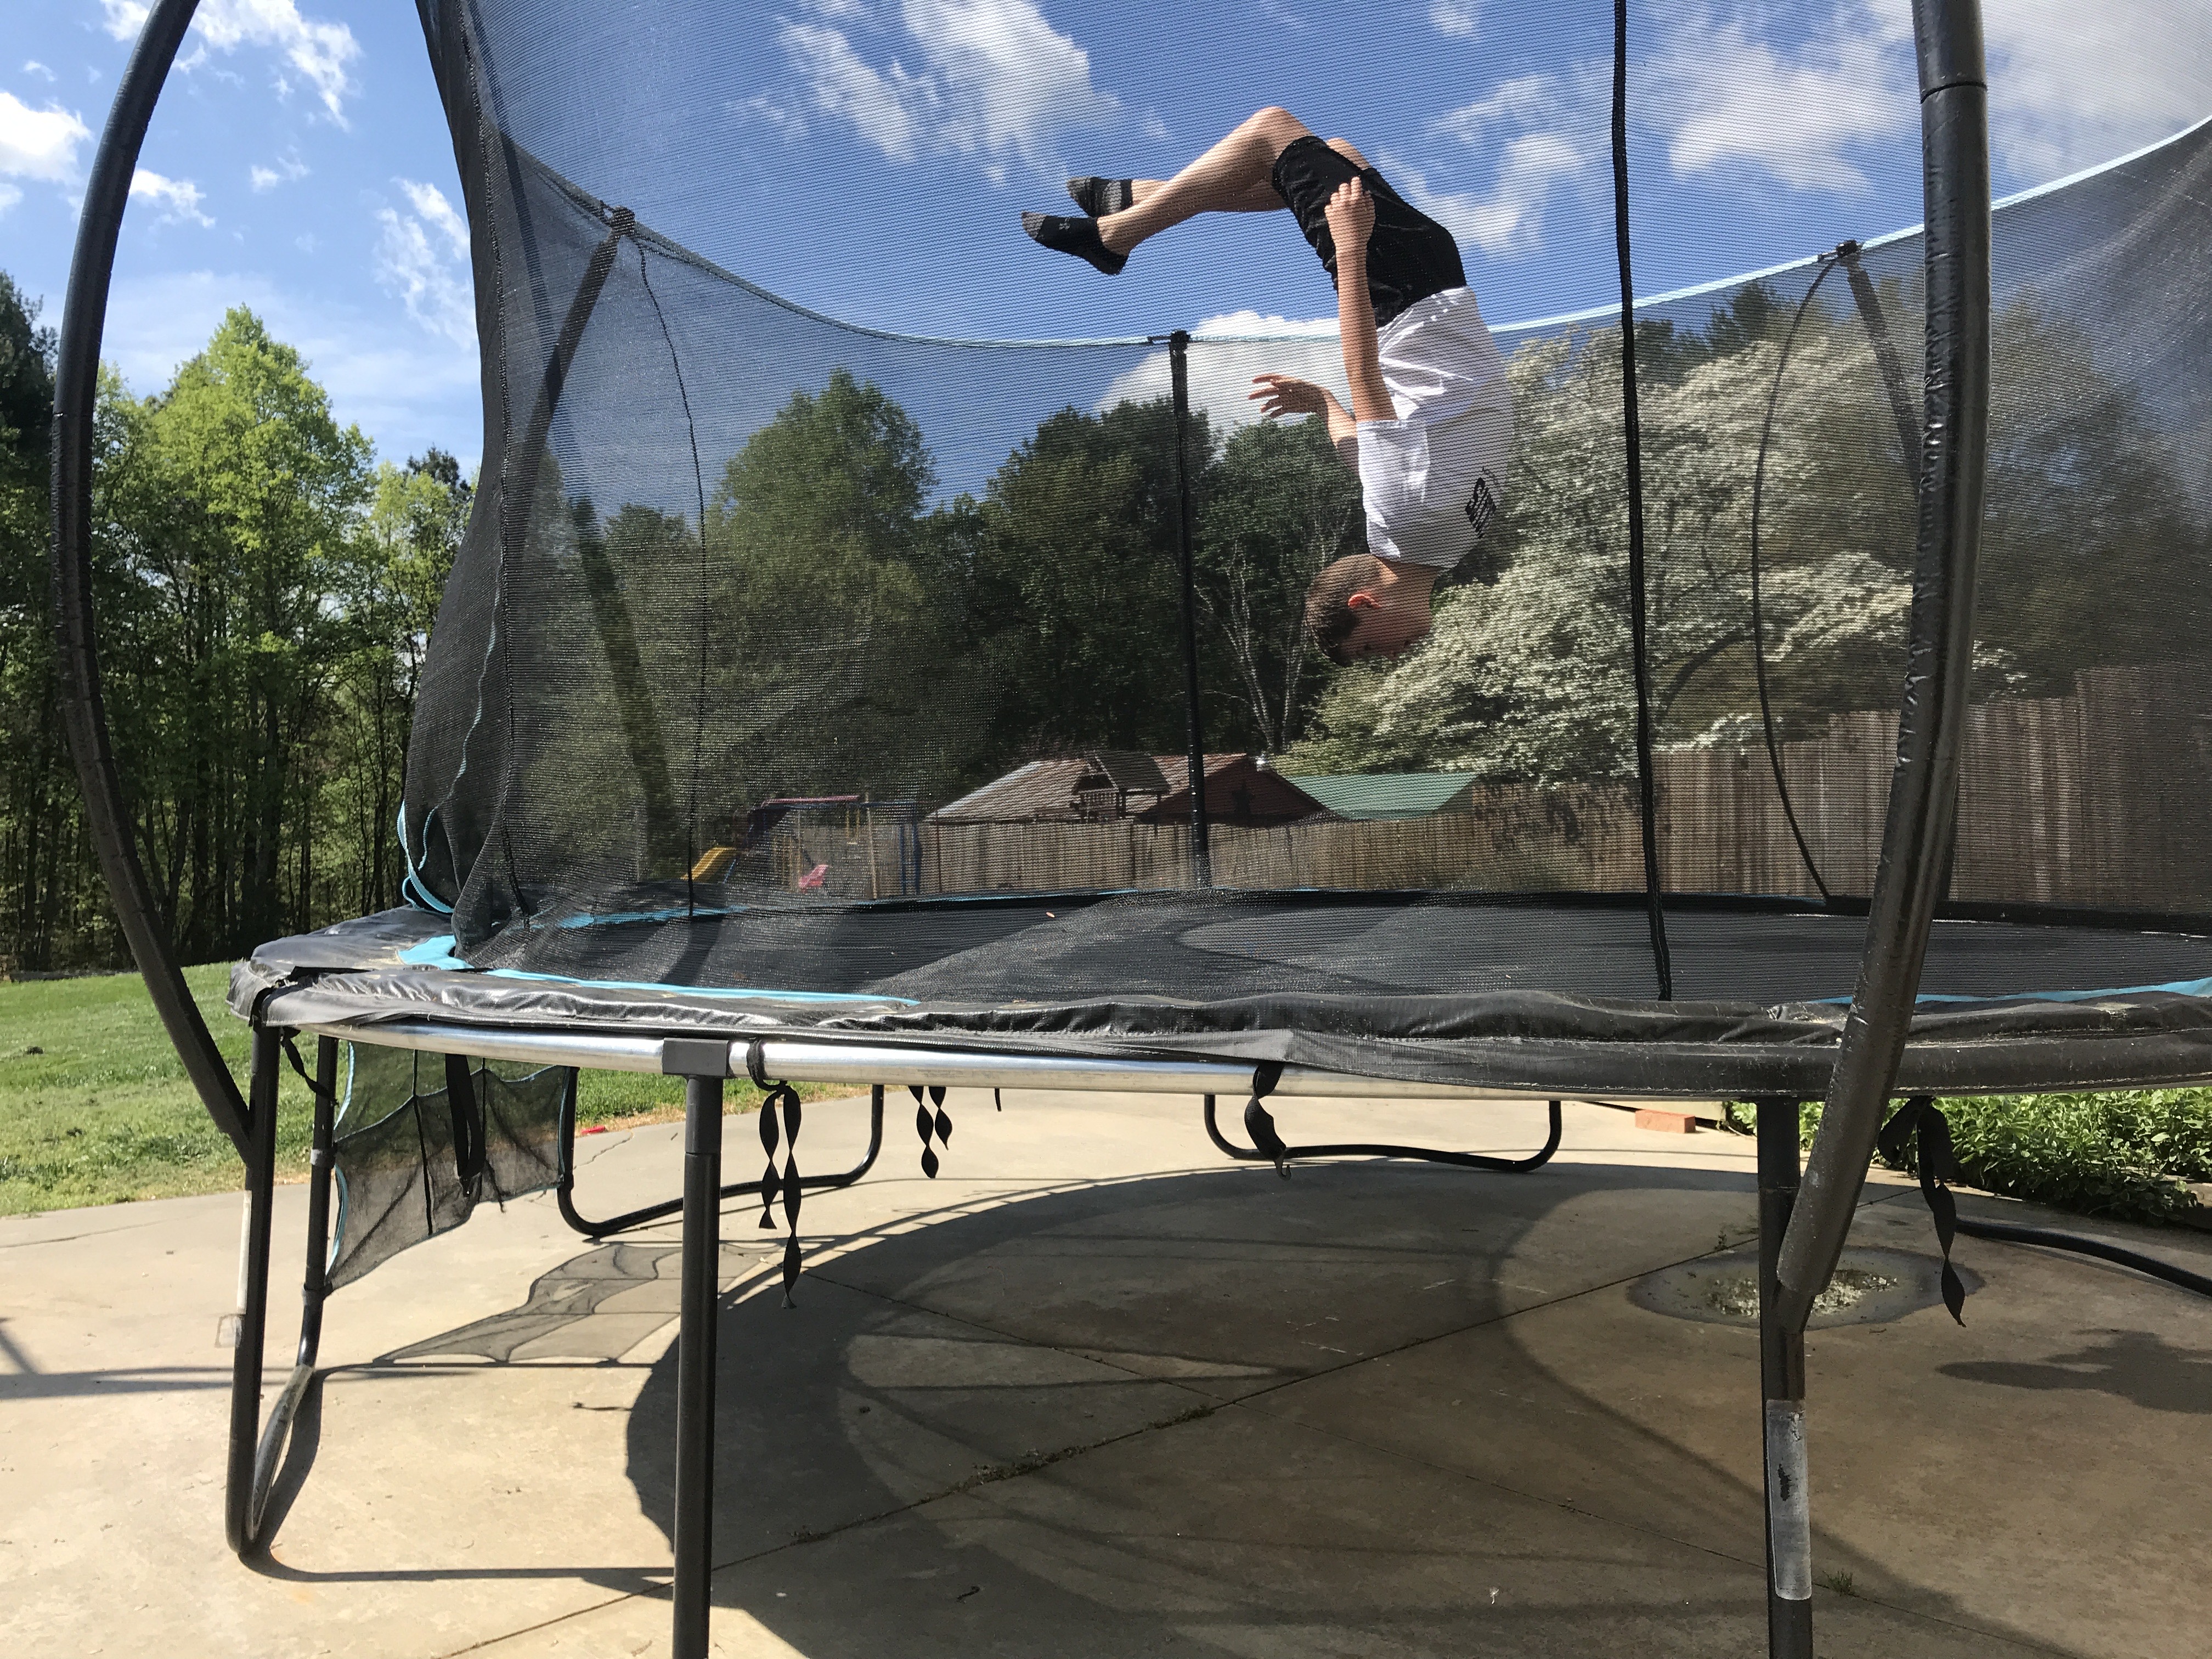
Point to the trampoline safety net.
(786, 653)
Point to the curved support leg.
(564, 1193)
(1535, 1160)
(254, 1459)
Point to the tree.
(1532, 680)
(42, 849)
(228, 517)
(1280, 506)
(1073, 600)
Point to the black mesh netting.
(411, 1161)
(769, 628)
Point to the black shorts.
(1409, 257)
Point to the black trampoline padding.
(1534, 991)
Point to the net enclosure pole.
(703, 1065)
(1201, 850)
(84, 713)
(1931, 726)
(1632, 444)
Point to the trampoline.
(1821, 719)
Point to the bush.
(2124, 1156)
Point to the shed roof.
(1370, 795)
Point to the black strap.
(779, 1100)
(1920, 1124)
(329, 1096)
(927, 1123)
(467, 1114)
(1260, 1123)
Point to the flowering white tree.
(1530, 678)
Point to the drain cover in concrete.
(1871, 1287)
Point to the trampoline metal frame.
(1802, 1225)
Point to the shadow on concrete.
(1057, 1410)
(1071, 1421)
(2138, 1366)
(145, 1379)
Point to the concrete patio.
(1095, 1392)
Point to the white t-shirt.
(1435, 478)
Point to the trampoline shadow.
(1061, 1424)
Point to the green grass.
(95, 1107)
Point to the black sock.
(1100, 197)
(1066, 233)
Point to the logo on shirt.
(1481, 507)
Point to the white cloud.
(405, 394)
(992, 80)
(288, 169)
(2072, 85)
(1222, 368)
(881, 105)
(2069, 86)
(1791, 112)
(1460, 19)
(39, 143)
(319, 50)
(33, 66)
(179, 199)
(9, 197)
(1545, 132)
(424, 257)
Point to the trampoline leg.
(238, 1505)
(1782, 1389)
(695, 1361)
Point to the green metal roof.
(1386, 794)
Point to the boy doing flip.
(1431, 427)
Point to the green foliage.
(2124, 1156)
(1072, 591)
(265, 600)
(1280, 505)
(1530, 680)
(829, 668)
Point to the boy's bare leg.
(1227, 179)
(1261, 198)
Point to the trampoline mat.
(1213, 946)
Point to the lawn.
(94, 1108)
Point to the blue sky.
(868, 157)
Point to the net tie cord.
(779, 1099)
(1920, 1124)
(1260, 1123)
(926, 1123)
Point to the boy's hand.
(1351, 215)
(1286, 394)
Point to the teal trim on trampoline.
(436, 953)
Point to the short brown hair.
(1330, 618)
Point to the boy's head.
(1361, 606)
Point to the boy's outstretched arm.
(1351, 214)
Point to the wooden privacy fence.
(2096, 798)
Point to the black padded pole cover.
(84, 715)
(1923, 790)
